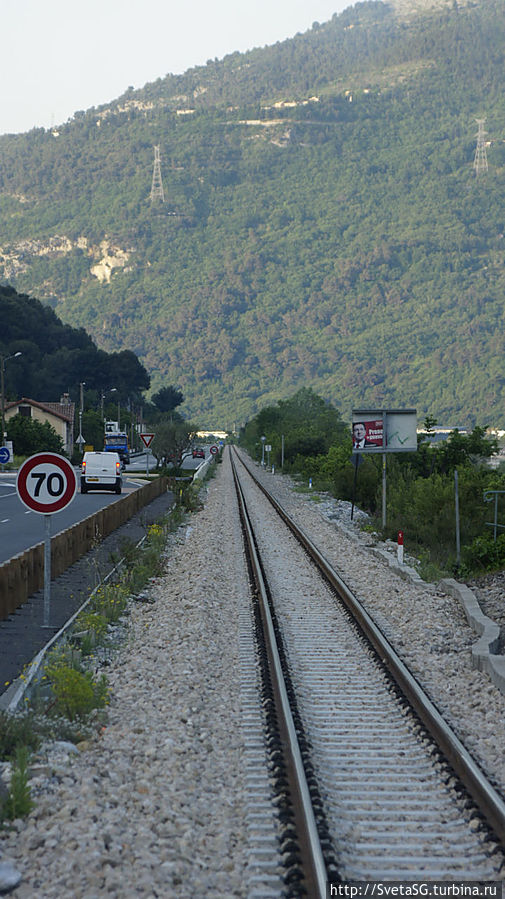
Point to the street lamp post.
(3, 360)
(104, 392)
(263, 451)
(80, 439)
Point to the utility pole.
(3, 360)
(157, 193)
(480, 160)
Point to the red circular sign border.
(24, 471)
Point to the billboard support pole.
(356, 462)
(384, 484)
(384, 457)
(456, 503)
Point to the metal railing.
(489, 497)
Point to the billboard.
(367, 433)
(384, 430)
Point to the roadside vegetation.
(420, 485)
(70, 699)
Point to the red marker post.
(400, 547)
(46, 483)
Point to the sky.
(61, 56)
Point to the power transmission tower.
(480, 159)
(157, 184)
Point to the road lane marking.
(11, 487)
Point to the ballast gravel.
(154, 806)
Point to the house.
(59, 415)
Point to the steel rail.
(312, 856)
(489, 801)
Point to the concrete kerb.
(484, 657)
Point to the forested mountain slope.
(322, 224)
(51, 357)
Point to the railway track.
(372, 784)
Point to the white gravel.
(154, 806)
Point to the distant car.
(198, 452)
(101, 471)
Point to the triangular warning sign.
(147, 439)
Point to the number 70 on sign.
(46, 483)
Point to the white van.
(101, 471)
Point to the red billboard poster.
(367, 434)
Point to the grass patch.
(308, 491)
(18, 802)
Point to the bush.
(363, 485)
(483, 554)
(16, 731)
(424, 509)
(75, 692)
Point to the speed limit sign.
(46, 483)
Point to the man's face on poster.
(359, 431)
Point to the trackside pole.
(456, 505)
(47, 570)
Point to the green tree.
(29, 436)
(168, 398)
(172, 438)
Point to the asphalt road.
(20, 528)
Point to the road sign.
(46, 483)
(5, 455)
(147, 439)
(213, 450)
